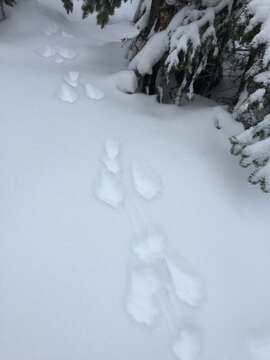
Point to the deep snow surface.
(127, 231)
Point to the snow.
(58, 59)
(150, 54)
(72, 78)
(260, 10)
(67, 35)
(111, 156)
(184, 29)
(67, 94)
(93, 93)
(257, 95)
(69, 54)
(151, 248)
(263, 77)
(146, 181)
(112, 148)
(109, 190)
(187, 287)
(126, 81)
(150, 251)
(47, 52)
(52, 29)
(141, 304)
(69, 226)
(187, 347)
(112, 165)
(141, 15)
(259, 347)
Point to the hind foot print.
(112, 148)
(72, 78)
(151, 248)
(67, 94)
(141, 300)
(47, 52)
(113, 165)
(146, 182)
(67, 35)
(93, 93)
(51, 30)
(187, 287)
(68, 54)
(58, 59)
(109, 190)
(110, 158)
(187, 347)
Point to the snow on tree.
(187, 54)
(253, 105)
(2, 10)
(180, 46)
(184, 46)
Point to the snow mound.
(187, 347)
(144, 286)
(93, 93)
(126, 81)
(72, 78)
(146, 182)
(109, 190)
(66, 53)
(187, 287)
(151, 249)
(67, 94)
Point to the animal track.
(158, 282)
(110, 157)
(109, 190)
(146, 181)
(47, 52)
(52, 29)
(72, 78)
(93, 93)
(187, 346)
(67, 94)
(144, 286)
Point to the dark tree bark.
(2, 11)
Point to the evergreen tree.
(180, 46)
(68, 5)
(2, 10)
(103, 8)
(253, 105)
(185, 47)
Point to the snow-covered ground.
(128, 231)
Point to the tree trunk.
(2, 11)
(154, 13)
(159, 18)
